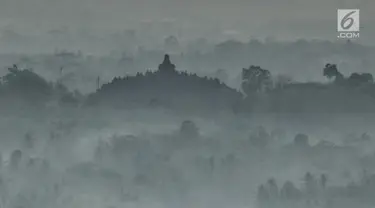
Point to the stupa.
(167, 66)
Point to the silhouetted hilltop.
(166, 87)
(23, 86)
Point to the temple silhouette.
(166, 87)
(167, 66)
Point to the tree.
(25, 82)
(358, 79)
(330, 71)
(255, 79)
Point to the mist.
(172, 104)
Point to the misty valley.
(113, 131)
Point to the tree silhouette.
(25, 82)
(255, 79)
(358, 79)
(330, 71)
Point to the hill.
(166, 87)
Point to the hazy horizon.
(238, 19)
(258, 104)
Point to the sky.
(279, 18)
